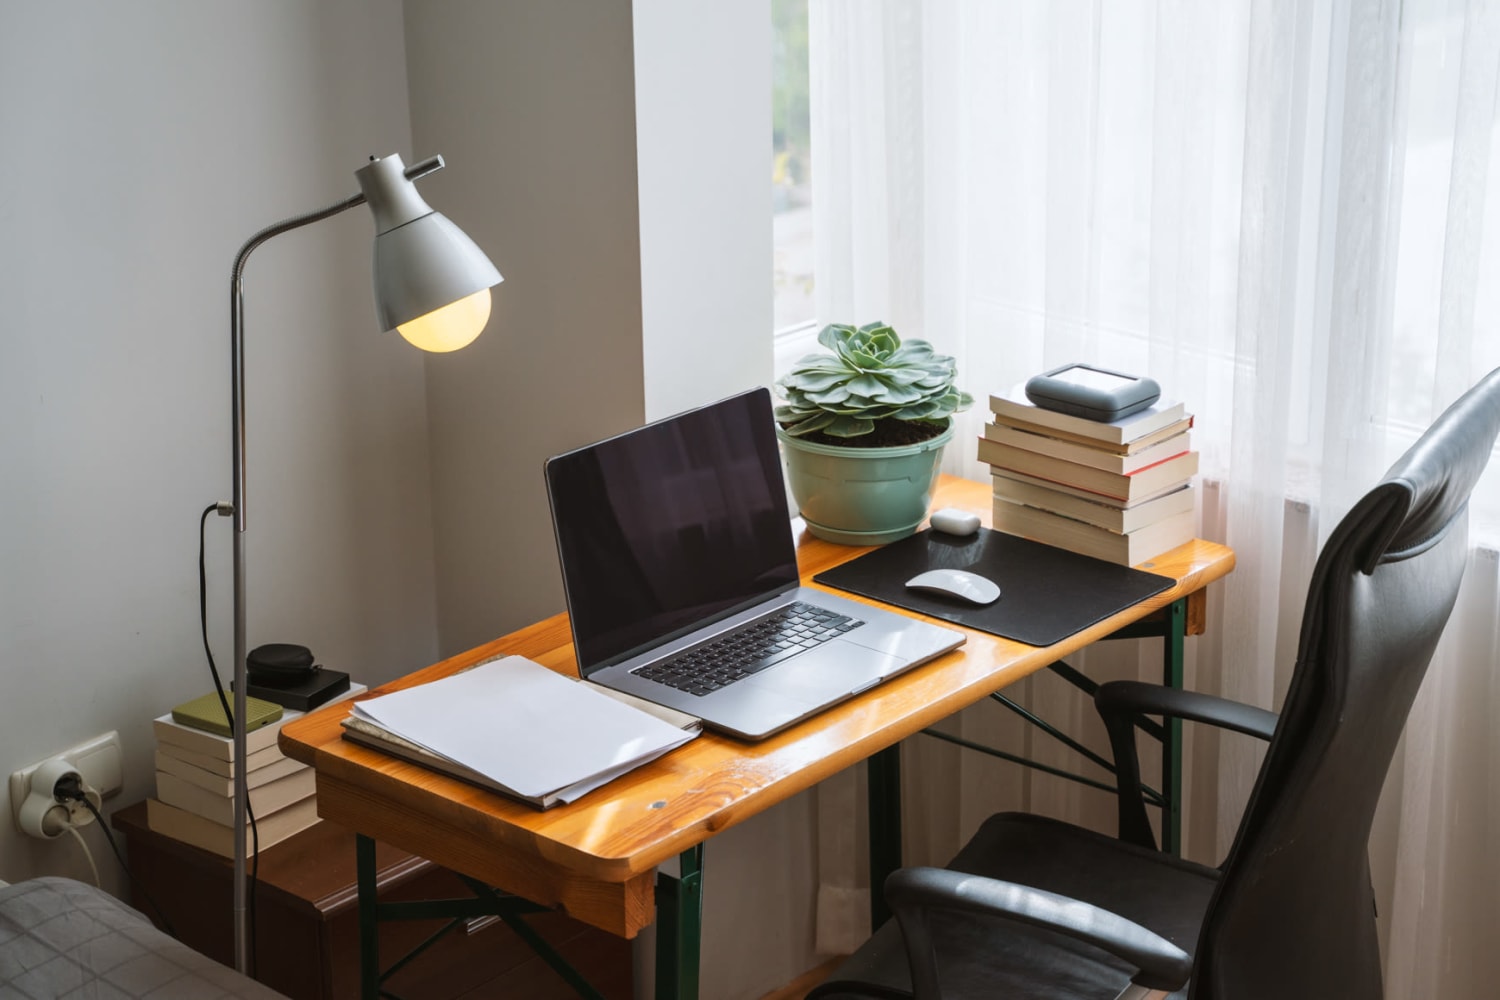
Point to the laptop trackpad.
(830, 671)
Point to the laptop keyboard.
(749, 649)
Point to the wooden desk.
(597, 858)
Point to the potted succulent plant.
(862, 430)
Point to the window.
(791, 171)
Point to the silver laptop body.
(677, 534)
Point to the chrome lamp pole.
(432, 284)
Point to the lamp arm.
(237, 339)
(237, 317)
(237, 509)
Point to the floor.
(797, 988)
(607, 967)
(512, 969)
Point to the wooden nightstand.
(307, 929)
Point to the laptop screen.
(668, 527)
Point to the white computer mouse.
(959, 583)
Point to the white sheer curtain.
(1289, 215)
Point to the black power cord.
(229, 715)
(69, 788)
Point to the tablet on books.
(680, 573)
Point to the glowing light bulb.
(453, 326)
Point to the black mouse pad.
(1046, 594)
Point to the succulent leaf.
(869, 374)
(848, 427)
(830, 397)
(816, 422)
(831, 336)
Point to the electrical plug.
(55, 802)
(76, 794)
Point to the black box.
(319, 689)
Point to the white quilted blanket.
(64, 940)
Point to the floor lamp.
(433, 285)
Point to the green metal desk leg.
(1171, 741)
(369, 932)
(679, 928)
(884, 776)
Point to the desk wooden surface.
(596, 857)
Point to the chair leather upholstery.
(1294, 915)
(1290, 914)
(986, 958)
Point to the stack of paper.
(515, 727)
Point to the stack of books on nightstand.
(195, 770)
(1119, 491)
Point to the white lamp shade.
(428, 273)
(424, 265)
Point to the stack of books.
(1119, 491)
(195, 770)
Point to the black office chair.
(1033, 907)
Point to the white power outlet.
(98, 761)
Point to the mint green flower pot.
(862, 496)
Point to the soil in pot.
(888, 433)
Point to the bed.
(60, 938)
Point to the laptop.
(680, 572)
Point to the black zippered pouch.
(280, 664)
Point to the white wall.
(143, 144)
(615, 160)
(532, 104)
(703, 148)
(703, 153)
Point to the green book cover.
(207, 713)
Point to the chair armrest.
(1120, 702)
(914, 892)
(1121, 697)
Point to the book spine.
(1090, 429)
(1084, 477)
(1114, 518)
(1055, 529)
(217, 838)
(1122, 489)
(1098, 514)
(1125, 549)
(254, 760)
(1099, 458)
(1073, 491)
(223, 784)
(265, 800)
(220, 747)
(1053, 447)
(1117, 435)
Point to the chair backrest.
(1293, 915)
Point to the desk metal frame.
(679, 899)
(486, 902)
(612, 876)
(884, 768)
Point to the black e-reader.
(1092, 393)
